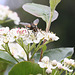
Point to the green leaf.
(7, 57)
(56, 54)
(3, 66)
(44, 48)
(1, 21)
(26, 68)
(39, 10)
(53, 4)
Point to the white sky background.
(14, 4)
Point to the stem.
(13, 57)
(47, 29)
(28, 52)
(28, 47)
(69, 73)
(60, 72)
(44, 73)
(49, 23)
(74, 73)
(66, 72)
(2, 50)
(41, 55)
(55, 72)
(33, 54)
(22, 45)
(8, 21)
(28, 57)
(33, 45)
(39, 48)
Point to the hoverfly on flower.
(31, 26)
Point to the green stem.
(13, 57)
(28, 57)
(66, 72)
(55, 72)
(2, 50)
(39, 47)
(44, 73)
(33, 54)
(74, 73)
(33, 45)
(22, 45)
(8, 21)
(28, 52)
(70, 73)
(28, 47)
(60, 72)
(49, 23)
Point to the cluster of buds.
(6, 13)
(66, 65)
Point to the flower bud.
(54, 62)
(48, 70)
(45, 59)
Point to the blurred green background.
(64, 26)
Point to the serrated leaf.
(26, 68)
(56, 54)
(7, 57)
(39, 10)
(53, 4)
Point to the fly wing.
(35, 22)
(25, 24)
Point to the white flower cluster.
(5, 13)
(67, 64)
(28, 36)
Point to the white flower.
(66, 68)
(54, 62)
(48, 70)
(43, 65)
(71, 61)
(45, 59)
(4, 30)
(49, 36)
(52, 36)
(14, 16)
(59, 65)
(3, 12)
(6, 40)
(17, 51)
(66, 60)
(44, 62)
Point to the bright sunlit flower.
(50, 65)
(17, 51)
(3, 12)
(6, 13)
(4, 30)
(54, 62)
(44, 62)
(14, 16)
(48, 70)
